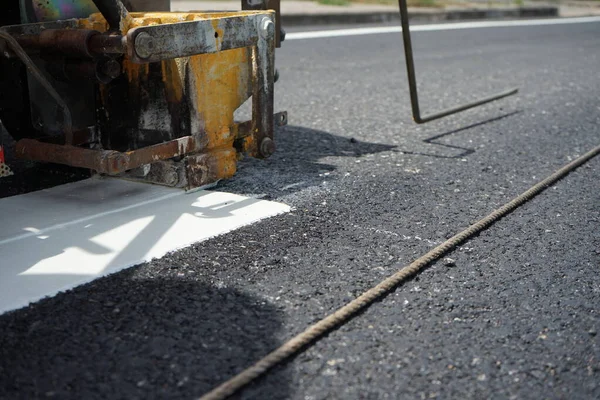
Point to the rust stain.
(218, 33)
(218, 80)
(135, 72)
(214, 86)
(210, 167)
(172, 80)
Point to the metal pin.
(267, 27)
(412, 79)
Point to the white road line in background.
(438, 27)
(62, 237)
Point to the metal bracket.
(412, 79)
(153, 43)
(108, 162)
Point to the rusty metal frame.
(145, 44)
(263, 66)
(412, 79)
(184, 39)
(103, 161)
(245, 129)
(257, 30)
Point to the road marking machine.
(148, 96)
(115, 89)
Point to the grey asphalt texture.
(511, 314)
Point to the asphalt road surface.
(513, 315)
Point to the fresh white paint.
(438, 27)
(56, 239)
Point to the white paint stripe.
(438, 27)
(149, 222)
(42, 231)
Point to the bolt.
(276, 77)
(171, 178)
(267, 27)
(114, 162)
(144, 45)
(267, 147)
(110, 69)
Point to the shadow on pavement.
(130, 337)
(463, 151)
(302, 155)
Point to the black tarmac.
(512, 314)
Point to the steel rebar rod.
(412, 78)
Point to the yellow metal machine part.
(167, 116)
(214, 85)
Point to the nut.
(267, 147)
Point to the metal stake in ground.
(347, 312)
(412, 79)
